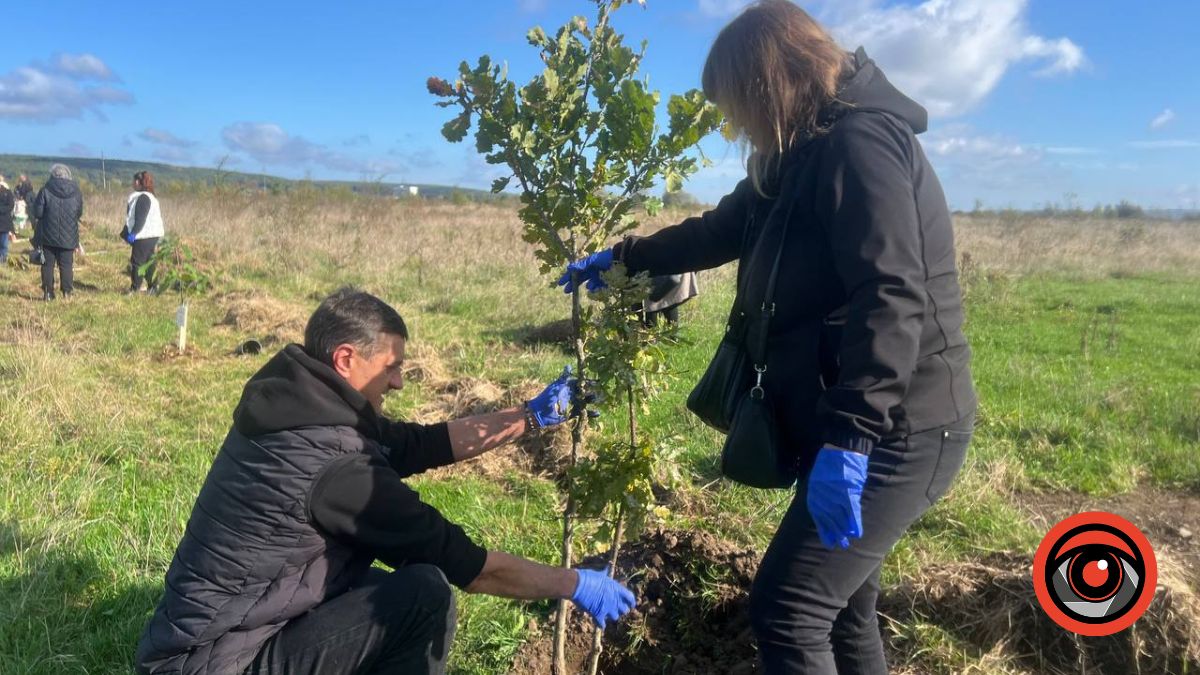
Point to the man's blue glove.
(835, 489)
(554, 406)
(588, 270)
(602, 597)
(130, 238)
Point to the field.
(1086, 337)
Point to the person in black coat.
(56, 211)
(867, 366)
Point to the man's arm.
(473, 436)
(511, 577)
(602, 597)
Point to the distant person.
(57, 210)
(7, 205)
(667, 293)
(20, 213)
(142, 231)
(274, 572)
(25, 194)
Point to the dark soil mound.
(691, 615)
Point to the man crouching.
(274, 572)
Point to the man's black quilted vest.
(266, 564)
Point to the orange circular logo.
(1094, 573)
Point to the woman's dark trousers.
(812, 608)
(64, 258)
(143, 249)
(402, 622)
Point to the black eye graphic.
(1095, 573)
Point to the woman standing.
(867, 366)
(143, 229)
(56, 213)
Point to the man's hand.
(589, 270)
(835, 489)
(554, 405)
(602, 597)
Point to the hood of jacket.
(865, 87)
(295, 390)
(62, 187)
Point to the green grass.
(1087, 384)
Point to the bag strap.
(758, 350)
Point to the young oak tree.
(583, 144)
(175, 268)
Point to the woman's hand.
(835, 489)
(587, 270)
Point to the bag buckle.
(756, 392)
(768, 310)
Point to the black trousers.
(64, 258)
(402, 622)
(140, 255)
(812, 608)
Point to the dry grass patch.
(254, 314)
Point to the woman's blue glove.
(835, 489)
(602, 597)
(131, 237)
(554, 405)
(589, 270)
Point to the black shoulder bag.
(730, 397)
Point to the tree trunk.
(619, 533)
(598, 636)
(577, 429)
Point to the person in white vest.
(143, 229)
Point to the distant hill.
(118, 173)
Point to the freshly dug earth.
(691, 615)
(692, 618)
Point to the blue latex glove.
(554, 406)
(602, 597)
(588, 270)
(131, 237)
(835, 489)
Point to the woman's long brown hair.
(771, 71)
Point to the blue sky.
(1031, 100)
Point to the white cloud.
(531, 6)
(83, 67)
(65, 88)
(161, 137)
(950, 54)
(960, 142)
(721, 9)
(1171, 144)
(1162, 119)
(270, 144)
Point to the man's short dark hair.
(350, 316)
